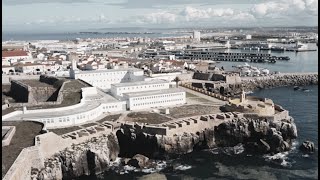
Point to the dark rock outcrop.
(138, 161)
(258, 136)
(159, 147)
(89, 158)
(307, 147)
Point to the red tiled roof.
(14, 53)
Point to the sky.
(82, 15)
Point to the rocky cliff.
(89, 158)
(257, 135)
(93, 157)
(158, 146)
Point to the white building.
(119, 89)
(7, 69)
(248, 36)
(14, 56)
(93, 104)
(152, 99)
(103, 78)
(196, 36)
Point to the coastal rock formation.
(257, 135)
(89, 158)
(138, 161)
(307, 147)
(158, 146)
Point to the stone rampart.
(202, 76)
(8, 136)
(21, 168)
(149, 129)
(215, 95)
(46, 145)
(48, 79)
(19, 91)
(6, 79)
(191, 125)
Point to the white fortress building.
(105, 77)
(140, 86)
(93, 104)
(127, 88)
(153, 99)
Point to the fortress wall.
(281, 115)
(7, 138)
(218, 96)
(58, 100)
(19, 91)
(21, 168)
(149, 129)
(7, 78)
(40, 94)
(46, 145)
(185, 77)
(48, 79)
(12, 114)
(202, 76)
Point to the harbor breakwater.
(257, 135)
(279, 80)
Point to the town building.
(14, 56)
(196, 36)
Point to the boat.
(277, 48)
(305, 90)
(296, 88)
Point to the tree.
(177, 79)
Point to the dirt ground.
(60, 131)
(110, 118)
(146, 117)
(192, 110)
(23, 137)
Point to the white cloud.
(285, 8)
(160, 18)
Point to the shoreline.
(313, 80)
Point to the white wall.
(103, 79)
(167, 99)
(74, 119)
(118, 91)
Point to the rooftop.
(158, 81)
(14, 53)
(156, 92)
(107, 70)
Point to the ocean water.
(299, 62)
(226, 164)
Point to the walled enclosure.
(34, 92)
